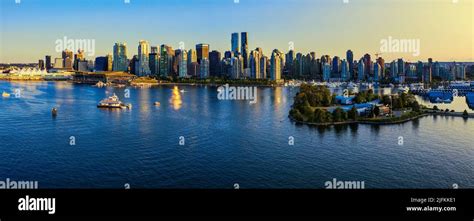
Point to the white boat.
(113, 102)
(5, 94)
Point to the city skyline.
(267, 30)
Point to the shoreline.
(368, 122)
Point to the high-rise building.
(165, 60)
(263, 66)
(204, 68)
(48, 62)
(202, 51)
(336, 65)
(394, 69)
(367, 65)
(154, 49)
(427, 74)
(143, 58)
(192, 56)
(377, 71)
(67, 57)
(235, 43)
(350, 61)
(58, 63)
(361, 70)
(183, 64)
(100, 64)
(255, 65)
(154, 62)
(245, 48)
(214, 63)
(401, 66)
(109, 62)
(41, 64)
(134, 64)
(326, 71)
(381, 62)
(235, 64)
(120, 61)
(275, 65)
(345, 75)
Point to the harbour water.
(226, 142)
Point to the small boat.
(54, 112)
(5, 94)
(100, 84)
(157, 103)
(113, 102)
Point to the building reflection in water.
(175, 100)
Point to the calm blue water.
(226, 142)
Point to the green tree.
(352, 113)
(338, 115)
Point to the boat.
(54, 112)
(5, 94)
(157, 103)
(100, 84)
(113, 102)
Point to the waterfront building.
(100, 64)
(193, 69)
(154, 62)
(244, 48)
(183, 64)
(235, 64)
(235, 43)
(336, 66)
(165, 60)
(58, 63)
(290, 61)
(427, 74)
(120, 61)
(275, 65)
(192, 56)
(84, 66)
(255, 65)
(49, 65)
(215, 63)
(436, 69)
(394, 69)
(401, 66)
(202, 51)
(143, 58)
(67, 57)
(109, 62)
(133, 65)
(154, 49)
(41, 64)
(204, 68)
(263, 66)
(381, 62)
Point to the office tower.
(427, 74)
(214, 63)
(204, 68)
(41, 64)
(202, 51)
(326, 71)
(193, 69)
(245, 48)
(143, 68)
(120, 61)
(275, 65)
(381, 62)
(192, 56)
(100, 64)
(177, 58)
(419, 69)
(48, 62)
(377, 72)
(84, 66)
(367, 65)
(235, 64)
(289, 65)
(255, 65)
(78, 57)
(228, 54)
(361, 70)
(164, 65)
(134, 65)
(154, 50)
(235, 43)
(154, 61)
(67, 57)
(336, 65)
(394, 69)
(58, 63)
(109, 62)
(263, 66)
(401, 66)
(436, 69)
(350, 61)
(345, 75)
(183, 64)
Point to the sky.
(444, 29)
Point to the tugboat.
(113, 102)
